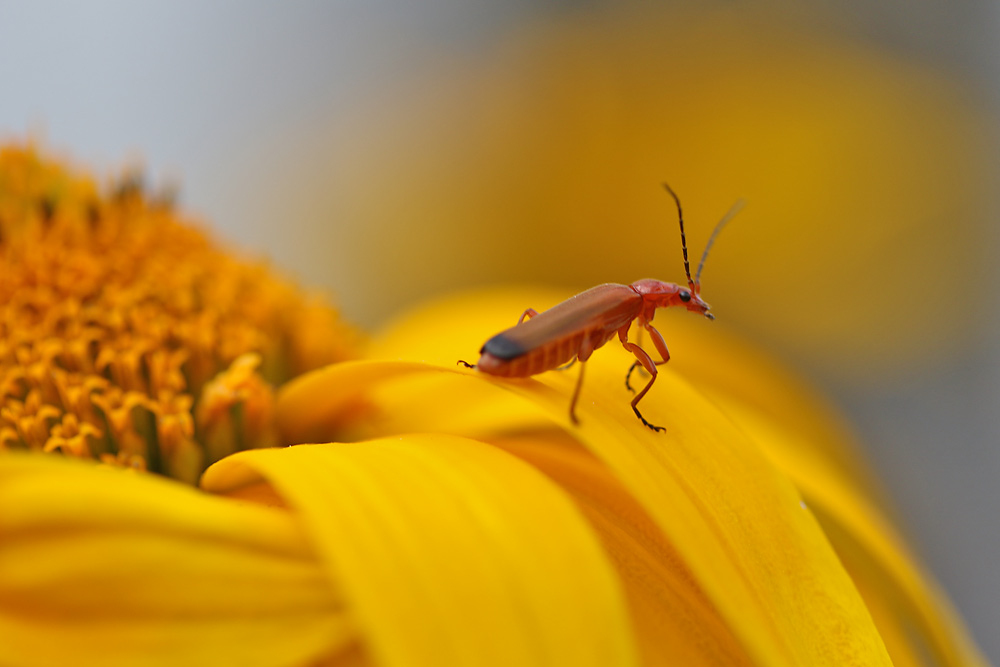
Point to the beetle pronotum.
(573, 329)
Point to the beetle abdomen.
(537, 360)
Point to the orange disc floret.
(116, 313)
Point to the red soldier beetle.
(573, 329)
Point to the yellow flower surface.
(424, 514)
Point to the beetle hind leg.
(466, 364)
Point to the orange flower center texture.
(127, 335)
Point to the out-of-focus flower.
(868, 177)
(460, 520)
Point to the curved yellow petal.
(100, 566)
(735, 521)
(449, 551)
(911, 614)
(674, 621)
(791, 426)
(810, 445)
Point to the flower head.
(444, 518)
(128, 336)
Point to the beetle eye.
(685, 295)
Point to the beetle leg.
(529, 313)
(650, 366)
(660, 346)
(566, 366)
(635, 364)
(466, 364)
(586, 349)
(623, 337)
(576, 395)
(628, 385)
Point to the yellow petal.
(807, 442)
(912, 615)
(449, 551)
(101, 566)
(737, 523)
(792, 427)
(674, 621)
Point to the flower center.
(128, 336)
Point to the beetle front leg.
(623, 337)
(628, 376)
(647, 363)
(650, 366)
(661, 347)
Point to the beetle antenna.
(684, 247)
(737, 207)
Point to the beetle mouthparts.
(710, 316)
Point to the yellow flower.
(862, 170)
(449, 518)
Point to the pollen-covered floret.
(117, 316)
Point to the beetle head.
(673, 294)
(658, 294)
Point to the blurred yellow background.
(867, 180)
(392, 153)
